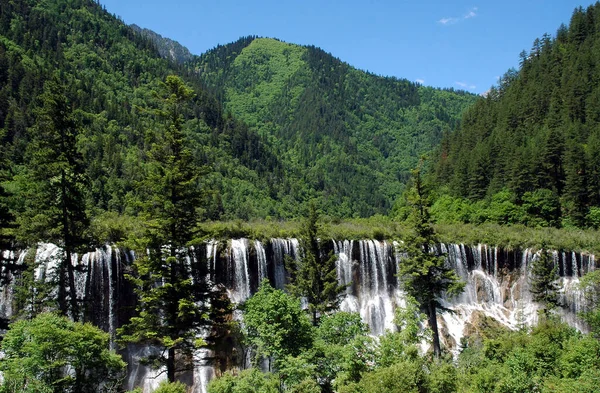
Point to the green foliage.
(340, 328)
(544, 273)
(274, 324)
(53, 186)
(171, 387)
(314, 276)
(401, 377)
(342, 128)
(423, 272)
(169, 315)
(32, 295)
(535, 134)
(403, 344)
(52, 354)
(248, 381)
(593, 217)
(343, 351)
(590, 285)
(442, 377)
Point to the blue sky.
(440, 43)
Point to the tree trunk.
(171, 365)
(68, 245)
(62, 293)
(432, 313)
(72, 288)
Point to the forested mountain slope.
(110, 76)
(531, 147)
(351, 135)
(273, 124)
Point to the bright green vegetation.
(286, 133)
(386, 228)
(352, 135)
(106, 75)
(51, 354)
(528, 152)
(338, 355)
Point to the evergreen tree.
(424, 273)
(54, 188)
(314, 276)
(576, 190)
(169, 310)
(543, 277)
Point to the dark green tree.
(314, 276)
(575, 198)
(54, 189)
(168, 311)
(424, 273)
(543, 285)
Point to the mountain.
(110, 75)
(352, 135)
(168, 48)
(531, 145)
(274, 124)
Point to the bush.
(53, 354)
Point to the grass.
(384, 228)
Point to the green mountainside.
(528, 152)
(273, 124)
(110, 76)
(351, 136)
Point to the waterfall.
(261, 255)
(203, 369)
(496, 286)
(240, 284)
(282, 248)
(370, 295)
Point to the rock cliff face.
(496, 291)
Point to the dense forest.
(353, 136)
(528, 152)
(321, 141)
(109, 76)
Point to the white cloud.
(452, 20)
(448, 21)
(464, 85)
(471, 14)
(421, 81)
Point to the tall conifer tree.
(315, 275)
(424, 273)
(168, 312)
(543, 277)
(54, 188)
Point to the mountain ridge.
(361, 128)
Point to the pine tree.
(314, 276)
(575, 197)
(424, 273)
(169, 311)
(54, 188)
(543, 277)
